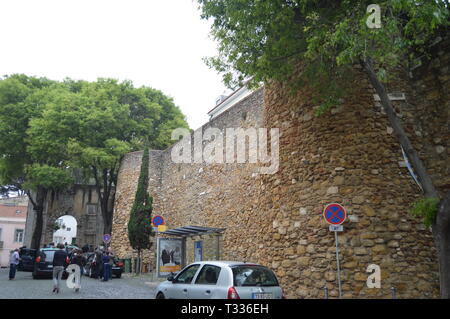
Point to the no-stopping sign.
(334, 214)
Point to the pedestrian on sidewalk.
(111, 252)
(98, 259)
(13, 262)
(106, 266)
(79, 260)
(60, 261)
(112, 260)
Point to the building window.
(91, 209)
(18, 236)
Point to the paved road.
(25, 287)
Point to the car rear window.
(247, 275)
(49, 255)
(27, 252)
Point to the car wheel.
(119, 276)
(35, 276)
(160, 295)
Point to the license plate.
(262, 295)
(50, 266)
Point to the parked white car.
(221, 280)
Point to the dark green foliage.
(426, 208)
(139, 225)
(47, 128)
(266, 40)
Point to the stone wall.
(195, 194)
(124, 198)
(348, 155)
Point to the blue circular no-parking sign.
(157, 221)
(334, 214)
(106, 238)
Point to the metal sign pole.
(337, 262)
(335, 215)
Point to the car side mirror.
(171, 277)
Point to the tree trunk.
(441, 233)
(38, 207)
(138, 267)
(108, 178)
(411, 153)
(107, 215)
(441, 228)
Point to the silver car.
(221, 280)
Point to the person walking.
(111, 252)
(79, 260)
(13, 262)
(106, 266)
(98, 263)
(60, 261)
(112, 260)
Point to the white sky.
(157, 43)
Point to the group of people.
(103, 260)
(102, 263)
(61, 260)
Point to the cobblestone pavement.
(25, 287)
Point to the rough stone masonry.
(348, 155)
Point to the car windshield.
(247, 275)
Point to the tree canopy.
(26, 163)
(264, 39)
(48, 128)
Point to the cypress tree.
(139, 224)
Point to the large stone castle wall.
(195, 194)
(348, 155)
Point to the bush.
(426, 208)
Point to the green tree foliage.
(116, 118)
(28, 164)
(47, 128)
(17, 107)
(139, 224)
(427, 208)
(264, 40)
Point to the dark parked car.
(89, 268)
(43, 265)
(27, 257)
